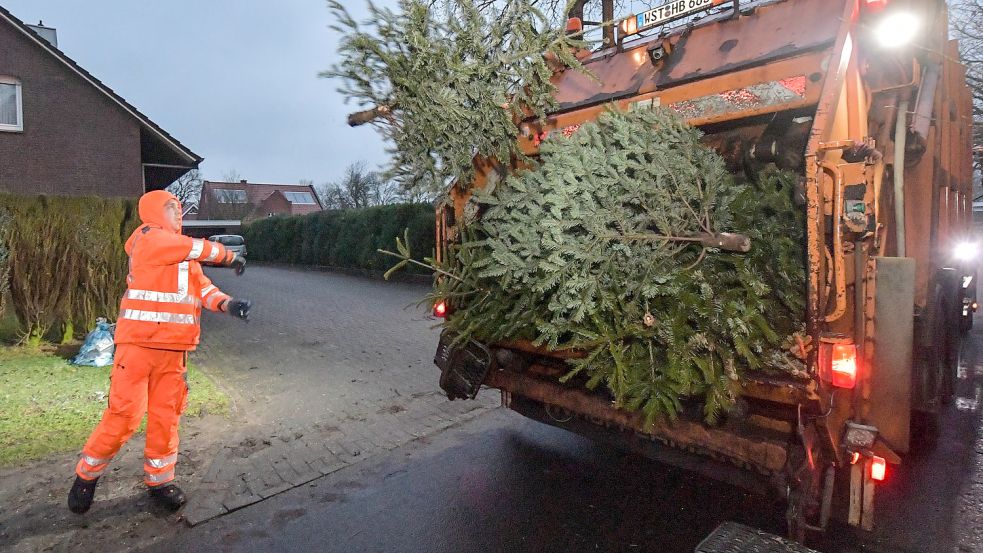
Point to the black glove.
(239, 264)
(239, 308)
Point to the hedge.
(65, 260)
(347, 239)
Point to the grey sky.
(234, 80)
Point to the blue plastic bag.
(98, 349)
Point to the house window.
(299, 197)
(230, 196)
(11, 110)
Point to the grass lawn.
(49, 406)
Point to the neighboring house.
(64, 132)
(190, 212)
(247, 201)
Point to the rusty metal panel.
(890, 376)
(764, 456)
(772, 32)
(783, 85)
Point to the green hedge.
(345, 239)
(66, 260)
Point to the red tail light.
(874, 5)
(878, 468)
(440, 309)
(574, 25)
(843, 361)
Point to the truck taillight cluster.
(838, 364)
(844, 365)
(878, 468)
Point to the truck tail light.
(440, 309)
(629, 26)
(878, 468)
(843, 365)
(838, 363)
(574, 25)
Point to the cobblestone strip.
(230, 483)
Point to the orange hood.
(151, 210)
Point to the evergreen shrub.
(66, 260)
(347, 239)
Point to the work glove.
(239, 264)
(239, 308)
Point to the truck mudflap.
(731, 537)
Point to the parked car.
(232, 242)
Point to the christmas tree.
(600, 248)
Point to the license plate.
(673, 10)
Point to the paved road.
(504, 483)
(332, 370)
(319, 343)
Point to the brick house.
(247, 201)
(64, 132)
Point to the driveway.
(330, 370)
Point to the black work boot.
(80, 497)
(168, 496)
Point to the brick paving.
(330, 370)
(230, 483)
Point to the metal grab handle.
(839, 272)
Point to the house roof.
(257, 193)
(153, 137)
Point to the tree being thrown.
(596, 246)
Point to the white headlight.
(897, 29)
(965, 251)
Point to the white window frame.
(18, 94)
(235, 196)
(308, 195)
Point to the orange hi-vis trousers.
(143, 380)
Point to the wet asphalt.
(506, 483)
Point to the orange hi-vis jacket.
(166, 287)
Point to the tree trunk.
(607, 17)
(577, 9)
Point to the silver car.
(232, 242)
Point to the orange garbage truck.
(866, 101)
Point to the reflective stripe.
(207, 290)
(161, 297)
(161, 463)
(91, 475)
(159, 478)
(197, 246)
(213, 255)
(182, 278)
(158, 317)
(93, 461)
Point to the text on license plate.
(673, 10)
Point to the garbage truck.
(867, 103)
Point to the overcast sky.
(234, 80)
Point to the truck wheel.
(950, 341)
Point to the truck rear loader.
(866, 101)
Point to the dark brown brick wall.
(76, 140)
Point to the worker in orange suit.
(158, 325)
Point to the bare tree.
(231, 176)
(967, 25)
(187, 188)
(360, 188)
